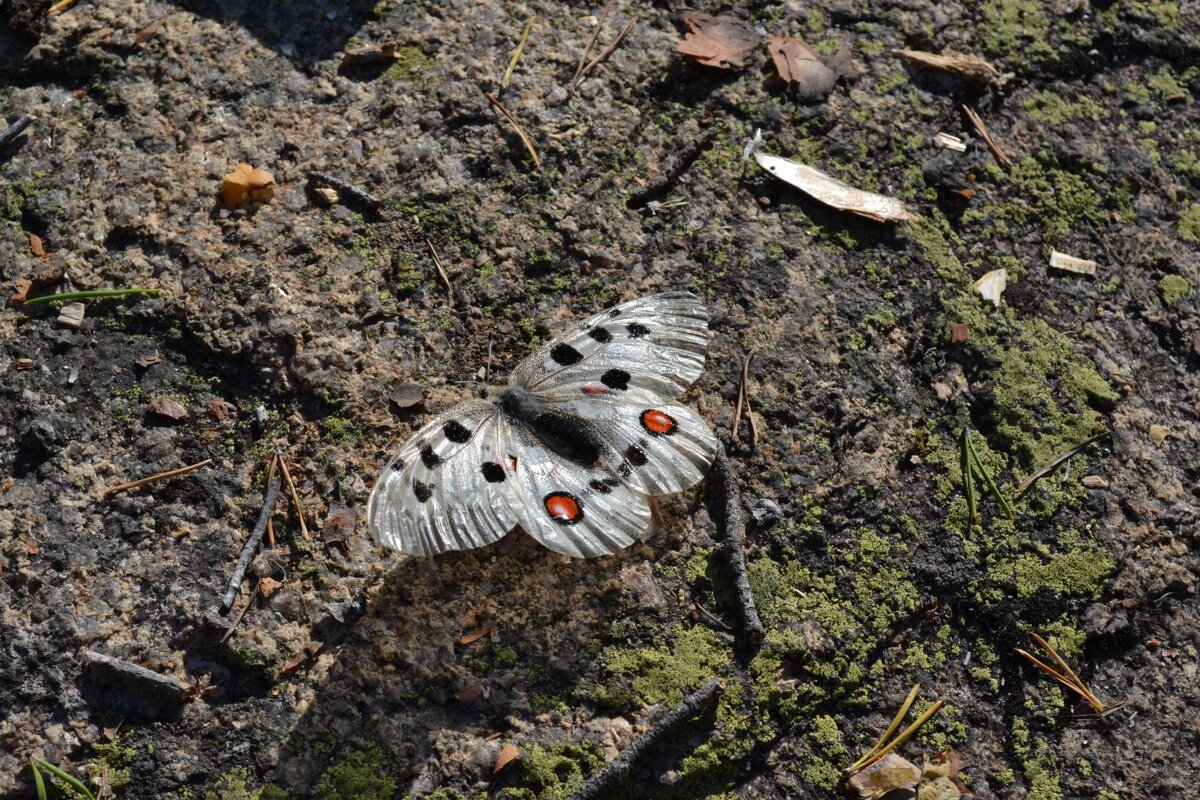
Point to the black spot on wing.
(601, 335)
(429, 458)
(456, 432)
(492, 472)
(564, 355)
(637, 330)
(423, 491)
(616, 379)
(635, 455)
(600, 486)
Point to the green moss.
(340, 430)
(1080, 572)
(505, 655)
(1015, 31)
(357, 775)
(1174, 288)
(1189, 223)
(665, 675)
(114, 757)
(1057, 199)
(232, 786)
(883, 319)
(552, 774)
(1047, 106)
(1167, 86)
(1038, 762)
(411, 63)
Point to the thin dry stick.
(260, 527)
(516, 56)
(171, 473)
(729, 503)
(896, 720)
(986, 135)
(271, 522)
(1073, 682)
(537, 162)
(880, 750)
(437, 262)
(592, 41)
(287, 477)
(242, 614)
(1027, 484)
(608, 51)
(737, 409)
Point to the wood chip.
(801, 68)
(247, 184)
(832, 192)
(166, 407)
(327, 196)
(1159, 433)
(992, 285)
(970, 67)
(1094, 482)
(1066, 263)
(137, 676)
(949, 142)
(149, 360)
(507, 754)
(71, 315)
(473, 636)
(959, 333)
(21, 287)
(371, 53)
(722, 42)
(25, 363)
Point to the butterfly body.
(585, 432)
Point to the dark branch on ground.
(149, 680)
(349, 189)
(732, 525)
(613, 772)
(665, 180)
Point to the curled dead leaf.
(507, 754)
(966, 66)
(35, 245)
(268, 587)
(722, 42)
(801, 68)
(886, 775)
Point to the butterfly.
(586, 431)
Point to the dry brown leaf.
(21, 288)
(339, 525)
(474, 636)
(959, 332)
(801, 68)
(469, 694)
(967, 66)
(832, 192)
(166, 407)
(268, 587)
(723, 42)
(407, 395)
(1159, 433)
(507, 754)
(886, 775)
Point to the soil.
(301, 328)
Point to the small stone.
(168, 408)
(1159, 433)
(71, 315)
(766, 512)
(327, 196)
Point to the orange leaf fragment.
(507, 754)
(801, 68)
(723, 42)
(474, 636)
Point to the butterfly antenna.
(487, 373)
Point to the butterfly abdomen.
(568, 435)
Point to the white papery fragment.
(832, 192)
(992, 285)
(1080, 266)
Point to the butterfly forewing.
(652, 347)
(448, 487)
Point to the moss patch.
(1050, 107)
(666, 674)
(1189, 223)
(357, 775)
(1174, 288)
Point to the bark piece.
(722, 42)
(832, 192)
(972, 68)
(801, 68)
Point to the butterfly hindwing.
(659, 447)
(582, 511)
(648, 348)
(448, 488)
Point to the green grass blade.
(65, 777)
(968, 479)
(989, 482)
(38, 783)
(93, 293)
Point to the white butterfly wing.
(646, 349)
(447, 488)
(660, 448)
(582, 511)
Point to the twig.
(260, 527)
(661, 183)
(171, 473)
(271, 522)
(592, 41)
(608, 51)
(287, 477)
(14, 130)
(241, 614)
(93, 293)
(362, 195)
(516, 56)
(537, 162)
(986, 135)
(437, 262)
(604, 780)
(149, 679)
(732, 547)
(1027, 484)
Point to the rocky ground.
(301, 328)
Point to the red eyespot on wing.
(658, 422)
(563, 508)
